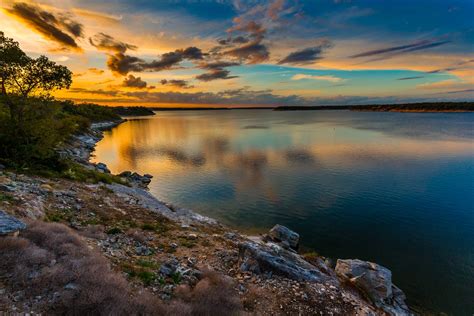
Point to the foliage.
(93, 112)
(132, 111)
(32, 123)
(51, 258)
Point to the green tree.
(22, 77)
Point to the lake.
(392, 188)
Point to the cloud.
(445, 84)
(402, 49)
(168, 60)
(122, 64)
(183, 84)
(251, 50)
(96, 71)
(460, 91)
(218, 64)
(243, 97)
(98, 16)
(215, 74)
(60, 28)
(216, 70)
(306, 56)
(134, 82)
(324, 78)
(107, 43)
(275, 8)
(411, 78)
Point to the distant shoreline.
(432, 107)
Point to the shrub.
(51, 258)
(212, 295)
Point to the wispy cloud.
(411, 78)
(313, 77)
(307, 55)
(388, 52)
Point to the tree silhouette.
(22, 77)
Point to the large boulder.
(9, 225)
(284, 235)
(376, 282)
(271, 258)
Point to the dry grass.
(50, 260)
(212, 295)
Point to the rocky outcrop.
(9, 225)
(102, 167)
(80, 147)
(135, 179)
(270, 258)
(285, 236)
(376, 282)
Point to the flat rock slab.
(260, 258)
(10, 224)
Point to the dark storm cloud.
(60, 28)
(215, 74)
(306, 56)
(183, 84)
(420, 45)
(134, 82)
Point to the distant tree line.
(406, 107)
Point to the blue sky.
(250, 52)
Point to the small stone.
(46, 187)
(281, 233)
(10, 225)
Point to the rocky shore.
(160, 248)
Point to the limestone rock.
(284, 235)
(9, 225)
(376, 281)
(271, 258)
(102, 167)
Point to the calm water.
(393, 188)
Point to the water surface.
(393, 188)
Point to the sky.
(252, 52)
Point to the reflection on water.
(394, 188)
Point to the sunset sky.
(247, 53)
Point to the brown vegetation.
(51, 261)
